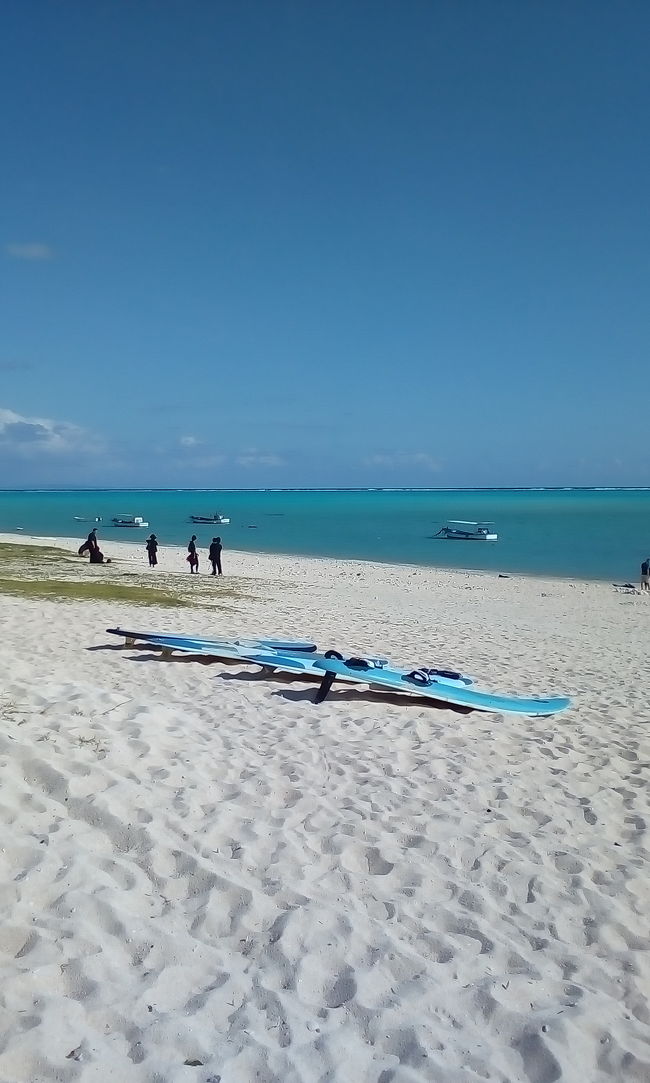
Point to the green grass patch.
(46, 571)
(12, 553)
(95, 591)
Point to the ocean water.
(585, 533)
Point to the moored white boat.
(219, 520)
(467, 530)
(129, 521)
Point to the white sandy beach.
(206, 877)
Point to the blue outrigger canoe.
(301, 656)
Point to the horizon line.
(337, 489)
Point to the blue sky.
(339, 243)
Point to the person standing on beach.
(192, 555)
(215, 556)
(90, 546)
(152, 550)
(645, 574)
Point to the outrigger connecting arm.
(325, 685)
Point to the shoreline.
(591, 534)
(14, 538)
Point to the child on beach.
(192, 555)
(97, 557)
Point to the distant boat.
(129, 521)
(219, 520)
(479, 531)
(87, 518)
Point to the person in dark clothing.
(97, 557)
(645, 574)
(215, 556)
(192, 555)
(90, 546)
(152, 550)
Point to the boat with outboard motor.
(459, 530)
(129, 521)
(217, 519)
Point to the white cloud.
(420, 459)
(32, 251)
(188, 441)
(31, 436)
(252, 457)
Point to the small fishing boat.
(464, 530)
(219, 520)
(87, 518)
(129, 521)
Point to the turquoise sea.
(586, 533)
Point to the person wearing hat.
(152, 549)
